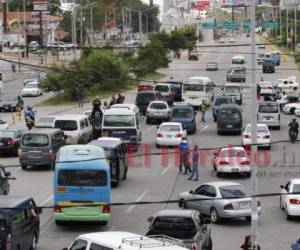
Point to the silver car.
(219, 200)
(211, 66)
(158, 111)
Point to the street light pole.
(25, 28)
(295, 35)
(254, 213)
(140, 24)
(81, 38)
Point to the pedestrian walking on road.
(184, 156)
(13, 68)
(247, 244)
(258, 89)
(203, 108)
(195, 171)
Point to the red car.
(146, 86)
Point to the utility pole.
(287, 23)
(41, 28)
(19, 47)
(25, 28)
(254, 213)
(92, 24)
(81, 38)
(295, 35)
(280, 31)
(140, 24)
(123, 24)
(74, 25)
(105, 28)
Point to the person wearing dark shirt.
(247, 244)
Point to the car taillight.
(295, 201)
(106, 209)
(245, 162)
(194, 246)
(159, 135)
(12, 142)
(223, 162)
(247, 136)
(57, 209)
(179, 135)
(8, 242)
(266, 137)
(228, 206)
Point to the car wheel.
(214, 216)
(147, 120)
(59, 223)
(288, 217)
(24, 167)
(292, 111)
(280, 203)
(34, 242)
(157, 145)
(248, 174)
(125, 173)
(248, 218)
(215, 119)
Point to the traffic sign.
(270, 24)
(230, 25)
(209, 25)
(40, 7)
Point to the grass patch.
(63, 99)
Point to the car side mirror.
(206, 220)
(191, 191)
(282, 186)
(150, 219)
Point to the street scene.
(158, 133)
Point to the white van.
(238, 61)
(77, 128)
(124, 241)
(269, 113)
(123, 122)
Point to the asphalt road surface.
(161, 181)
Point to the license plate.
(158, 113)
(228, 126)
(6, 108)
(169, 136)
(244, 204)
(268, 118)
(234, 170)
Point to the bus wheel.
(103, 223)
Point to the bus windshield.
(193, 87)
(82, 178)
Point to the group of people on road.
(184, 149)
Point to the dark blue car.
(185, 114)
(218, 101)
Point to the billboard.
(202, 5)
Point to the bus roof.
(71, 153)
(237, 57)
(200, 79)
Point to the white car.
(31, 89)
(3, 125)
(263, 136)
(297, 111)
(267, 88)
(290, 203)
(232, 160)
(287, 85)
(290, 108)
(170, 134)
(33, 45)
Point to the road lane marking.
(137, 200)
(166, 170)
(200, 132)
(47, 200)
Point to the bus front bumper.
(63, 217)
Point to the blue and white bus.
(82, 188)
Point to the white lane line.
(137, 200)
(148, 129)
(200, 132)
(165, 170)
(46, 201)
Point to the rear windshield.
(230, 114)
(170, 128)
(144, 97)
(82, 178)
(220, 101)
(268, 109)
(233, 153)
(66, 125)
(235, 191)
(162, 88)
(35, 140)
(176, 227)
(119, 121)
(260, 129)
(232, 89)
(158, 106)
(7, 134)
(182, 113)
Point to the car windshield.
(230, 114)
(176, 227)
(9, 99)
(182, 113)
(237, 61)
(118, 121)
(82, 178)
(220, 101)
(144, 97)
(158, 106)
(31, 85)
(233, 153)
(234, 191)
(7, 134)
(296, 188)
(268, 108)
(260, 129)
(66, 125)
(193, 87)
(162, 88)
(169, 128)
(232, 89)
(35, 140)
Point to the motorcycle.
(293, 134)
(29, 123)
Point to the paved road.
(157, 182)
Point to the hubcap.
(213, 215)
